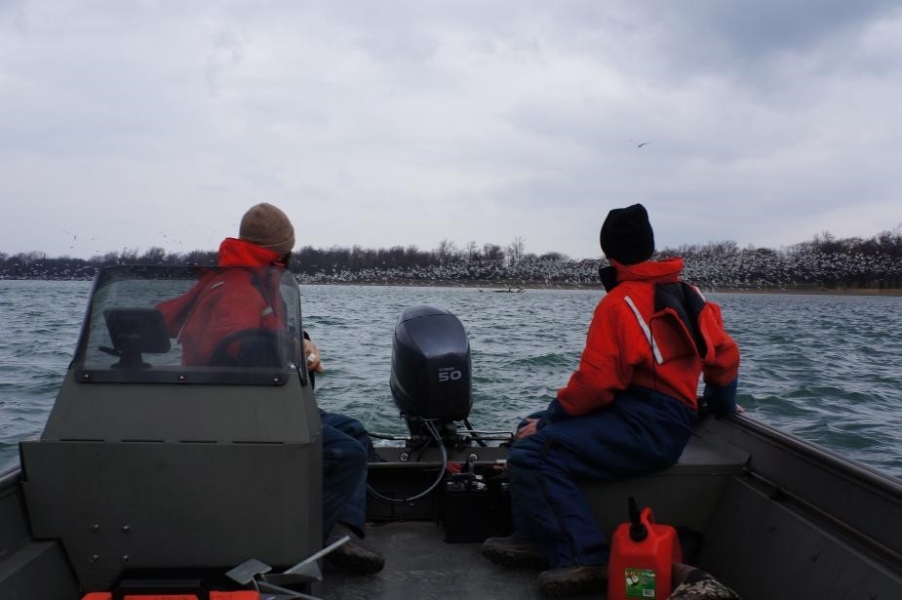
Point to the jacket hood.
(234, 252)
(653, 271)
(664, 270)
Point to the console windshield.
(152, 324)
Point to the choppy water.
(826, 368)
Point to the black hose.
(441, 473)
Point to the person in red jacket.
(224, 304)
(628, 408)
(223, 320)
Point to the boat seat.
(684, 494)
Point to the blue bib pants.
(639, 432)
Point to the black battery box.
(474, 508)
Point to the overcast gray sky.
(128, 125)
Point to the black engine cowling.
(430, 373)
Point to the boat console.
(149, 463)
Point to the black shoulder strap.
(687, 303)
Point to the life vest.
(241, 298)
(650, 330)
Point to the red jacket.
(225, 302)
(631, 343)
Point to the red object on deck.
(109, 596)
(642, 557)
(239, 595)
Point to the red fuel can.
(642, 555)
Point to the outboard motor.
(430, 374)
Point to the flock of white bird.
(742, 269)
(831, 265)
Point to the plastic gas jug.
(642, 556)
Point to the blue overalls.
(641, 431)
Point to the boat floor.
(419, 564)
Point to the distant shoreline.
(521, 288)
(813, 292)
(499, 287)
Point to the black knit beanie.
(626, 235)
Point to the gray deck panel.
(419, 565)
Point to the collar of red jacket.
(234, 252)
(655, 271)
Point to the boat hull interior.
(154, 469)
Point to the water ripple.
(823, 367)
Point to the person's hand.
(527, 430)
(314, 362)
(739, 409)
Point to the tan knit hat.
(267, 226)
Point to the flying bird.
(640, 144)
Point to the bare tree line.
(824, 261)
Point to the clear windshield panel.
(191, 325)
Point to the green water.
(823, 367)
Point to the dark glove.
(721, 400)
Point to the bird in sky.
(640, 144)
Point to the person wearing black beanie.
(628, 409)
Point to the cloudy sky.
(133, 124)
